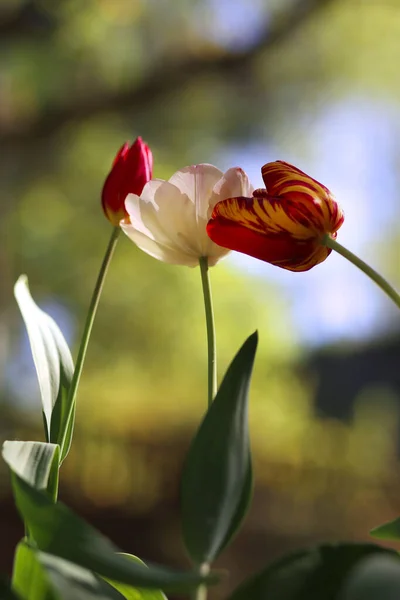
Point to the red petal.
(247, 225)
(279, 176)
(131, 170)
(280, 250)
(307, 195)
(121, 153)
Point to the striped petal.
(307, 196)
(268, 229)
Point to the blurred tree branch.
(165, 78)
(27, 22)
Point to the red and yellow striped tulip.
(283, 224)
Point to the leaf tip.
(252, 340)
(389, 531)
(22, 282)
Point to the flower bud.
(131, 170)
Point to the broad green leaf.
(242, 508)
(377, 577)
(53, 362)
(41, 576)
(29, 579)
(58, 530)
(35, 462)
(315, 574)
(131, 593)
(74, 582)
(388, 531)
(217, 478)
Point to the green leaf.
(35, 462)
(217, 477)
(40, 576)
(53, 362)
(29, 580)
(314, 574)
(131, 593)
(374, 578)
(242, 508)
(58, 530)
(388, 531)
(74, 582)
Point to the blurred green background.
(234, 83)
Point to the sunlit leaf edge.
(59, 531)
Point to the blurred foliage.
(77, 80)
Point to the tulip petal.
(156, 249)
(268, 215)
(197, 183)
(156, 214)
(131, 170)
(121, 153)
(183, 214)
(167, 218)
(232, 184)
(260, 228)
(306, 194)
(277, 175)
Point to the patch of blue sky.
(356, 155)
(232, 24)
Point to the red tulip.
(131, 170)
(283, 224)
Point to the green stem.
(371, 273)
(88, 327)
(200, 593)
(212, 355)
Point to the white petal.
(132, 206)
(215, 253)
(169, 220)
(153, 214)
(166, 217)
(232, 184)
(150, 189)
(197, 182)
(156, 249)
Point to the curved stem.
(369, 271)
(212, 354)
(88, 328)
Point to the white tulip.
(168, 220)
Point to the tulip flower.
(284, 224)
(168, 220)
(131, 170)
